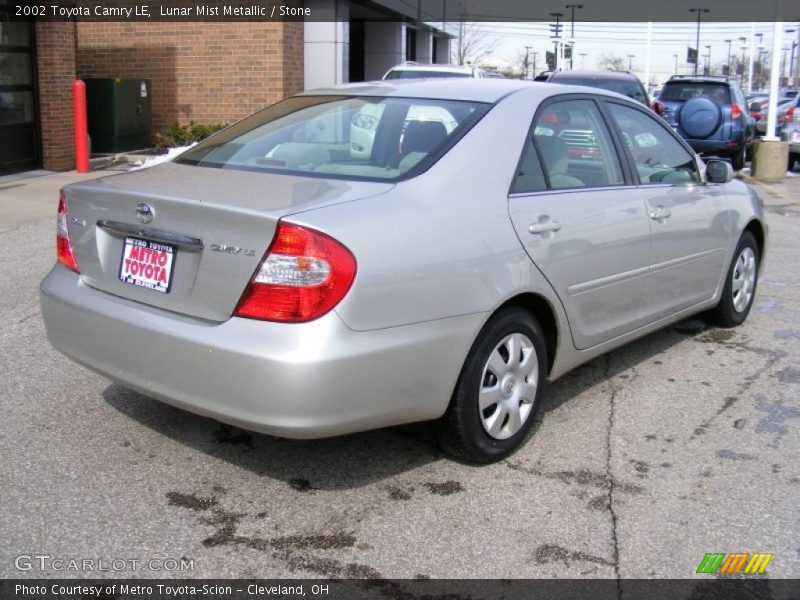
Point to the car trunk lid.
(208, 231)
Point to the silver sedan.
(390, 252)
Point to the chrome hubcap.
(508, 386)
(743, 281)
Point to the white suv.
(413, 70)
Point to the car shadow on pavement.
(360, 459)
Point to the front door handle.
(660, 213)
(546, 227)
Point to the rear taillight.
(657, 107)
(63, 247)
(790, 113)
(736, 111)
(304, 274)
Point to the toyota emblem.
(145, 213)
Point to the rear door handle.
(660, 213)
(546, 227)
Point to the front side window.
(570, 148)
(367, 138)
(658, 156)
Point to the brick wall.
(205, 72)
(55, 48)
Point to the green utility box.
(119, 114)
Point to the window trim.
(665, 126)
(625, 168)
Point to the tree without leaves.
(611, 62)
(473, 44)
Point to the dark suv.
(622, 82)
(710, 113)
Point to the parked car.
(783, 108)
(624, 83)
(414, 70)
(711, 114)
(270, 279)
(791, 132)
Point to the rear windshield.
(631, 89)
(363, 138)
(423, 74)
(686, 90)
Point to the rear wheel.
(740, 285)
(497, 394)
(793, 158)
(738, 159)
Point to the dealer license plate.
(147, 264)
(796, 137)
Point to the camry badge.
(145, 213)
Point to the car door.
(689, 220)
(581, 224)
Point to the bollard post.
(81, 128)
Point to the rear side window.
(407, 74)
(361, 138)
(570, 148)
(658, 156)
(686, 90)
(631, 89)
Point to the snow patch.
(161, 158)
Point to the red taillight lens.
(63, 246)
(304, 274)
(736, 111)
(657, 107)
(790, 113)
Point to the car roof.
(489, 90)
(699, 79)
(477, 90)
(621, 75)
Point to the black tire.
(461, 430)
(793, 158)
(725, 313)
(738, 159)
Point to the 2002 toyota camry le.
(383, 253)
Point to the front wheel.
(740, 285)
(497, 394)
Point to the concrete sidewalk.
(27, 199)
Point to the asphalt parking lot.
(683, 443)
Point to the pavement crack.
(613, 389)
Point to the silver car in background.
(344, 260)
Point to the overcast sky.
(668, 39)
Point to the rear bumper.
(306, 380)
(715, 146)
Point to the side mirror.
(718, 171)
(755, 107)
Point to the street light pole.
(572, 32)
(676, 63)
(729, 57)
(583, 60)
(743, 48)
(699, 12)
(534, 65)
(630, 61)
(527, 54)
(790, 77)
(557, 35)
(708, 66)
